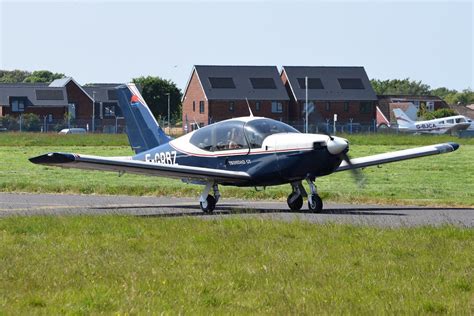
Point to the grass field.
(84, 265)
(438, 180)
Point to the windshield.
(257, 130)
(227, 135)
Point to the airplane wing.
(399, 155)
(126, 164)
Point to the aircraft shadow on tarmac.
(225, 209)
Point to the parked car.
(76, 130)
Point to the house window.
(71, 108)
(263, 83)
(346, 106)
(231, 106)
(328, 106)
(351, 83)
(365, 107)
(194, 106)
(277, 107)
(313, 83)
(257, 106)
(17, 104)
(201, 106)
(221, 83)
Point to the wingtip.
(52, 158)
(455, 146)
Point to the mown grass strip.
(52, 139)
(436, 181)
(108, 264)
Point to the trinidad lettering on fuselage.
(245, 151)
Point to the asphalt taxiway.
(23, 204)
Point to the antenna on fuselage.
(250, 110)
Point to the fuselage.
(437, 126)
(271, 152)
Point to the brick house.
(216, 93)
(345, 91)
(37, 98)
(61, 99)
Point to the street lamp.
(169, 128)
(93, 111)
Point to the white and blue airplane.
(245, 152)
(451, 124)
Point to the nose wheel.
(314, 200)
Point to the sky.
(115, 41)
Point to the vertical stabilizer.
(403, 120)
(143, 130)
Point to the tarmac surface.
(23, 204)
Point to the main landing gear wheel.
(209, 205)
(295, 201)
(315, 203)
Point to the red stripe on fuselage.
(242, 153)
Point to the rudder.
(143, 130)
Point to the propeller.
(340, 146)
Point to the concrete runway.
(19, 204)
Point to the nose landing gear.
(295, 199)
(314, 200)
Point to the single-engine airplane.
(245, 152)
(450, 124)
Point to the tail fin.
(402, 119)
(143, 130)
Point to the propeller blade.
(356, 173)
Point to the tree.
(154, 90)
(444, 112)
(43, 76)
(13, 76)
(397, 86)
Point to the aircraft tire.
(317, 204)
(208, 206)
(295, 204)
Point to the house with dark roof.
(345, 91)
(37, 98)
(215, 93)
(63, 98)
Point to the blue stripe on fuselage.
(267, 168)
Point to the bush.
(439, 114)
(31, 122)
(9, 122)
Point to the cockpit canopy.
(236, 134)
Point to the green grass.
(438, 180)
(114, 264)
(50, 139)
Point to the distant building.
(216, 93)
(345, 91)
(37, 98)
(61, 101)
(408, 103)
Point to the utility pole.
(306, 104)
(169, 127)
(93, 111)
